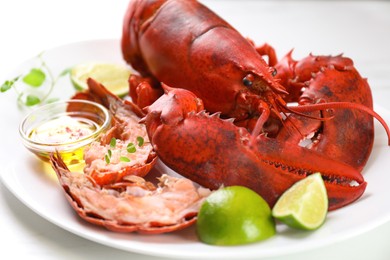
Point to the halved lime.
(234, 215)
(304, 205)
(113, 76)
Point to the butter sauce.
(63, 129)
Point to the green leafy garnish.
(124, 159)
(6, 85)
(113, 142)
(140, 141)
(32, 100)
(35, 77)
(131, 148)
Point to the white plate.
(24, 178)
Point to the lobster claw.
(214, 152)
(292, 163)
(172, 107)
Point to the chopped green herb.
(107, 158)
(113, 142)
(109, 152)
(131, 148)
(124, 159)
(35, 77)
(140, 141)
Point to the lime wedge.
(234, 215)
(304, 205)
(113, 76)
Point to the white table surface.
(360, 30)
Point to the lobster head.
(185, 45)
(233, 70)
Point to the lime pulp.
(304, 205)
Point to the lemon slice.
(234, 215)
(304, 205)
(113, 76)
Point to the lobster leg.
(269, 51)
(214, 152)
(144, 91)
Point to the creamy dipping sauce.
(63, 129)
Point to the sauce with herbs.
(63, 129)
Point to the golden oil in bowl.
(66, 127)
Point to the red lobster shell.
(186, 46)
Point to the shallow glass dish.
(64, 126)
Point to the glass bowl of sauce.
(64, 126)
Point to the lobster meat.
(132, 204)
(118, 153)
(112, 192)
(208, 66)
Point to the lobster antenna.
(300, 113)
(332, 105)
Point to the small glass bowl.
(64, 126)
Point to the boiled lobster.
(250, 134)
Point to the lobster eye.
(274, 72)
(248, 80)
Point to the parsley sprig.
(33, 80)
(130, 148)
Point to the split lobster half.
(111, 191)
(224, 114)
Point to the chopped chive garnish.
(107, 158)
(131, 148)
(113, 142)
(124, 159)
(140, 141)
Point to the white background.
(358, 29)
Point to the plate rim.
(12, 185)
